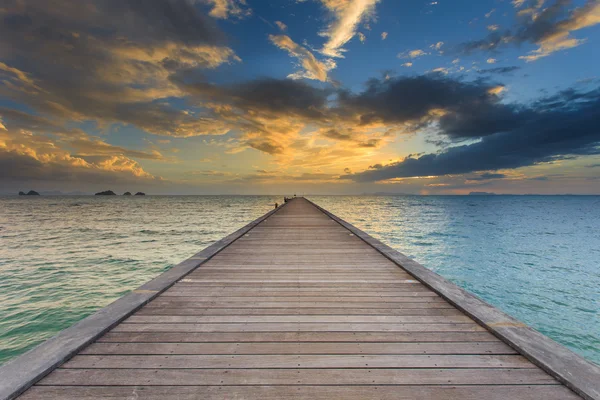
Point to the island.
(106, 193)
(127, 194)
(30, 193)
(140, 194)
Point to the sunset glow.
(329, 96)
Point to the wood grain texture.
(299, 307)
(346, 392)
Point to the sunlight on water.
(535, 257)
(62, 258)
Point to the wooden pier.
(299, 305)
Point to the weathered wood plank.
(192, 303)
(358, 376)
(297, 311)
(299, 361)
(354, 392)
(324, 296)
(297, 327)
(303, 337)
(248, 319)
(297, 348)
(313, 285)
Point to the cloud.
(27, 156)
(461, 109)
(290, 119)
(437, 46)
(312, 68)
(491, 61)
(347, 15)
(281, 26)
(407, 64)
(111, 62)
(362, 37)
(384, 35)
(35, 148)
(493, 28)
(412, 54)
(223, 9)
(554, 128)
(550, 29)
(93, 148)
(499, 70)
(487, 176)
(441, 70)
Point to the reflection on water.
(62, 258)
(536, 257)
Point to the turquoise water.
(535, 257)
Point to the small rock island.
(30, 193)
(140, 194)
(127, 194)
(106, 193)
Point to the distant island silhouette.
(111, 193)
(30, 193)
(482, 194)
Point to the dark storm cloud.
(472, 109)
(277, 96)
(142, 21)
(106, 60)
(565, 125)
(499, 70)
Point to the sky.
(300, 96)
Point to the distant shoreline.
(42, 194)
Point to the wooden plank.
(247, 319)
(303, 337)
(310, 296)
(192, 303)
(296, 327)
(358, 376)
(314, 285)
(279, 292)
(354, 392)
(324, 282)
(297, 348)
(297, 311)
(299, 361)
(309, 299)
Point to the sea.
(535, 257)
